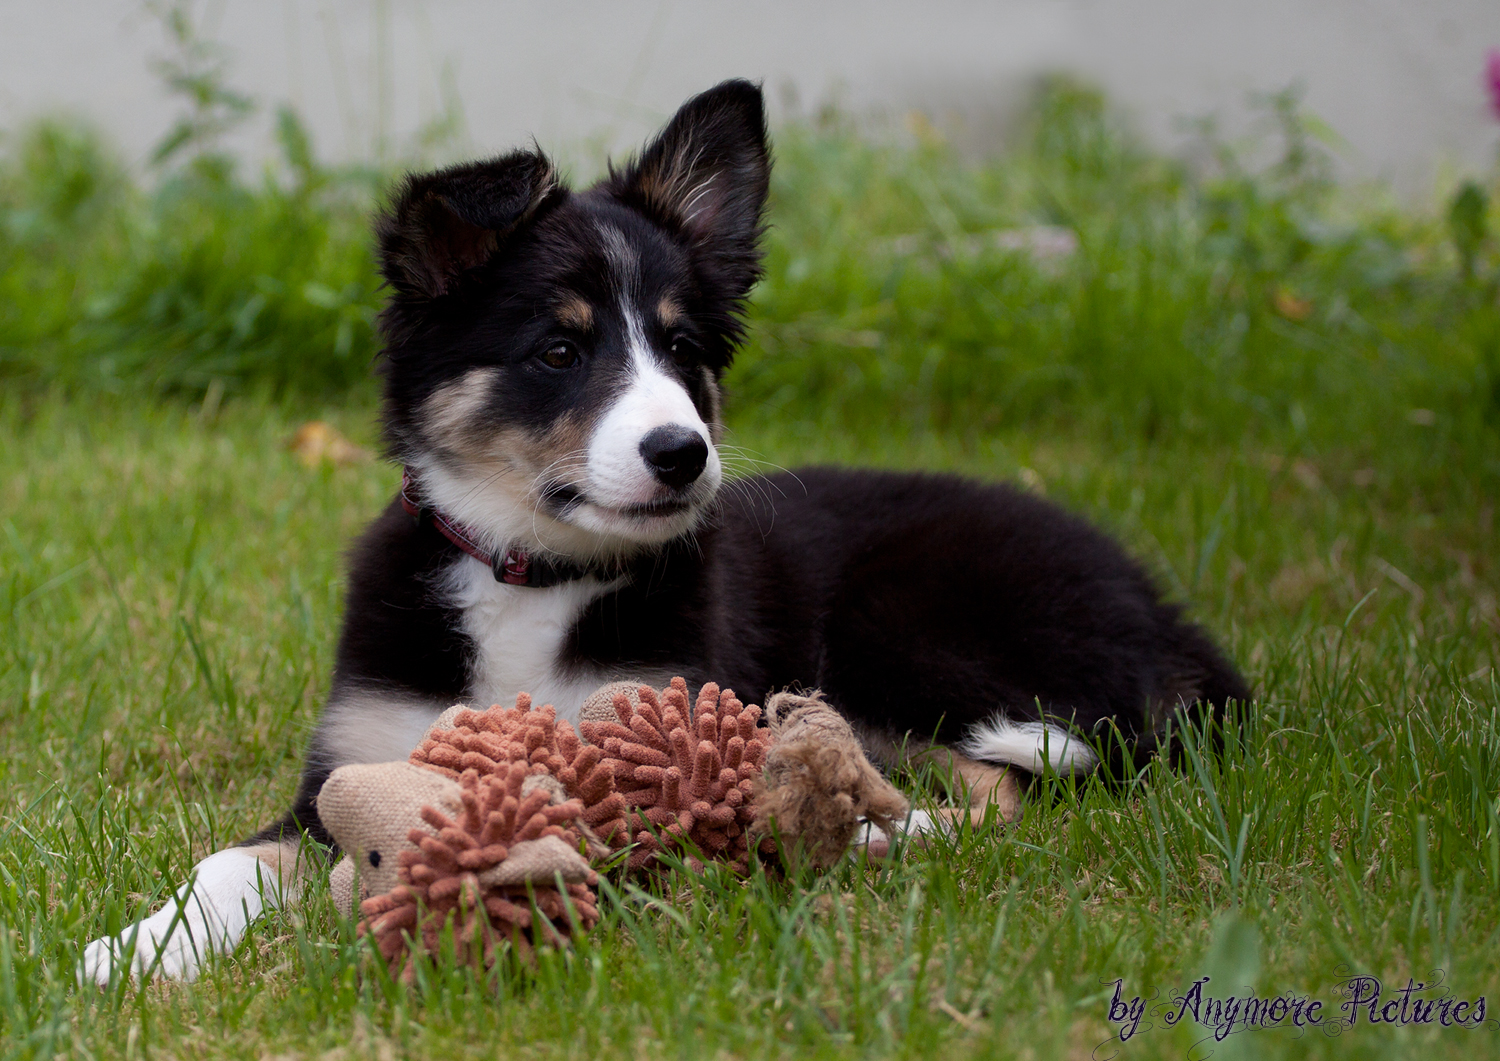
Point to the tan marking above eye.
(669, 311)
(575, 313)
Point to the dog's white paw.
(917, 824)
(208, 916)
(104, 958)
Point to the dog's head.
(553, 357)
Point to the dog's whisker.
(758, 462)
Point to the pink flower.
(1492, 79)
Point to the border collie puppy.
(552, 367)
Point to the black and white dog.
(552, 367)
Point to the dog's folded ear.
(705, 176)
(442, 224)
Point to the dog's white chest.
(519, 634)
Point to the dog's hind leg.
(985, 770)
(975, 785)
(983, 785)
(209, 914)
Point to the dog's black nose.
(675, 453)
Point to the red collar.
(515, 567)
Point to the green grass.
(170, 597)
(1279, 393)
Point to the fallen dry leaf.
(1290, 306)
(317, 441)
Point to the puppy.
(552, 367)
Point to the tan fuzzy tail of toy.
(817, 783)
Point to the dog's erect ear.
(706, 176)
(445, 223)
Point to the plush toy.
(687, 777)
(817, 785)
(506, 870)
(713, 778)
(371, 811)
(462, 740)
(488, 832)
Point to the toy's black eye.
(684, 350)
(375, 858)
(560, 355)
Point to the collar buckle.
(515, 569)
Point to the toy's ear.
(706, 176)
(440, 225)
(443, 721)
(599, 705)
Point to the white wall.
(1399, 79)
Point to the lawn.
(1281, 394)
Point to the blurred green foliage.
(207, 277)
(1076, 275)
(1214, 302)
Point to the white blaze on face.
(618, 475)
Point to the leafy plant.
(1468, 220)
(195, 71)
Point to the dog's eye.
(560, 355)
(683, 350)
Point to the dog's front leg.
(209, 914)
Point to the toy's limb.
(226, 892)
